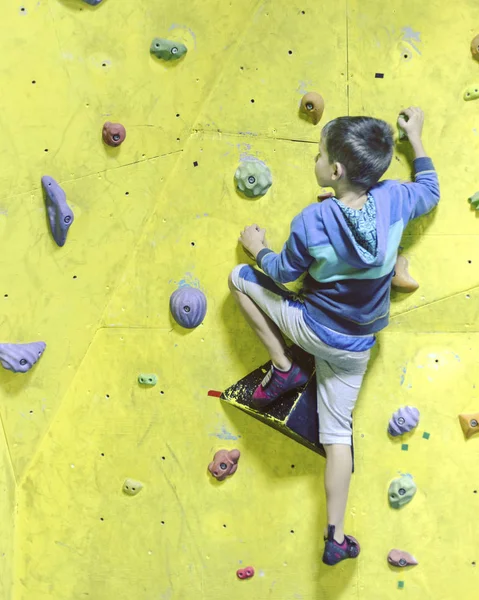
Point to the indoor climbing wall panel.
(161, 211)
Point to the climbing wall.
(162, 211)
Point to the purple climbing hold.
(60, 215)
(20, 358)
(188, 306)
(403, 420)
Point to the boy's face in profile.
(323, 168)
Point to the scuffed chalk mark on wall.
(410, 36)
(403, 376)
(225, 435)
(184, 28)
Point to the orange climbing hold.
(312, 104)
(402, 281)
(469, 424)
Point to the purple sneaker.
(334, 552)
(276, 383)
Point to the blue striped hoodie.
(342, 290)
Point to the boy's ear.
(338, 171)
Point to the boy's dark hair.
(363, 145)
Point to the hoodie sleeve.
(293, 260)
(421, 196)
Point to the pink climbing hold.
(399, 558)
(225, 463)
(245, 573)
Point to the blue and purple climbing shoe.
(335, 552)
(276, 383)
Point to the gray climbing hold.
(253, 178)
(20, 358)
(60, 215)
(132, 487)
(167, 50)
(93, 2)
(403, 420)
(148, 379)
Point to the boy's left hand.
(253, 239)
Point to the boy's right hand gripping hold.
(414, 123)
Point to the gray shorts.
(339, 373)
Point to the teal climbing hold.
(147, 379)
(253, 178)
(167, 50)
(401, 491)
(474, 200)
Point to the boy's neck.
(351, 198)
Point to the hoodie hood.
(342, 240)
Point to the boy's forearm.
(417, 147)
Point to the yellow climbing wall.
(77, 425)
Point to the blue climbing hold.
(60, 215)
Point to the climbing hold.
(474, 200)
(245, 573)
(403, 420)
(401, 133)
(472, 93)
(475, 47)
(148, 379)
(253, 178)
(167, 50)
(93, 2)
(401, 491)
(60, 215)
(20, 358)
(312, 104)
(225, 463)
(399, 558)
(469, 424)
(132, 487)
(113, 134)
(188, 306)
(402, 281)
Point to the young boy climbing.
(348, 245)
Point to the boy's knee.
(231, 285)
(235, 273)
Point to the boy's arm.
(292, 261)
(422, 195)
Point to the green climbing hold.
(472, 93)
(147, 379)
(167, 50)
(253, 178)
(474, 200)
(401, 491)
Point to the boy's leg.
(337, 476)
(338, 387)
(270, 311)
(267, 331)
